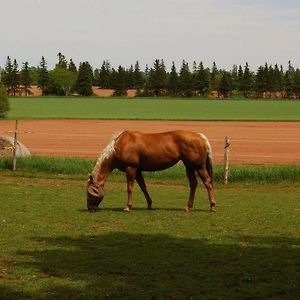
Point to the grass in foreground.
(153, 109)
(52, 248)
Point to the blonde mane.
(106, 153)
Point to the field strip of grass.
(52, 248)
(80, 168)
(153, 109)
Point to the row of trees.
(197, 80)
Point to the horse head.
(95, 194)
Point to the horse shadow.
(123, 265)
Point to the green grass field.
(153, 109)
(52, 248)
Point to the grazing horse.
(134, 152)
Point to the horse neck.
(103, 167)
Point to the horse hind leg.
(190, 172)
(207, 181)
(141, 182)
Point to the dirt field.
(251, 142)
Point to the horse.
(134, 152)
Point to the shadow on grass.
(137, 209)
(146, 266)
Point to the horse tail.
(209, 160)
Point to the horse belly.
(156, 163)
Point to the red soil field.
(260, 143)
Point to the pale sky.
(123, 31)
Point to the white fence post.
(226, 159)
(15, 147)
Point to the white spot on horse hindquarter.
(208, 146)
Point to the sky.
(125, 31)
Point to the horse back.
(157, 151)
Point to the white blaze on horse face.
(209, 151)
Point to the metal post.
(15, 147)
(226, 159)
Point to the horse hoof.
(187, 209)
(126, 209)
(213, 209)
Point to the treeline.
(186, 81)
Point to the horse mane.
(106, 153)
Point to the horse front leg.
(190, 172)
(130, 175)
(141, 182)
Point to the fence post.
(15, 147)
(226, 159)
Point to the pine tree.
(158, 77)
(172, 81)
(215, 78)
(25, 78)
(72, 66)
(185, 80)
(102, 77)
(225, 84)
(138, 77)
(62, 62)
(84, 80)
(7, 75)
(43, 79)
(202, 83)
(247, 81)
(130, 77)
(15, 77)
(121, 82)
(289, 80)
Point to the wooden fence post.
(15, 147)
(226, 159)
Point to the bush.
(4, 104)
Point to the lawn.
(153, 109)
(52, 248)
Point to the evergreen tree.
(62, 62)
(43, 76)
(260, 81)
(234, 78)
(25, 78)
(185, 80)
(121, 82)
(289, 80)
(247, 81)
(297, 83)
(138, 77)
(215, 77)
(4, 104)
(15, 77)
(130, 77)
(172, 81)
(72, 66)
(84, 80)
(202, 82)
(102, 77)
(8, 75)
(240, 78)
(225, 84)
(158, 77)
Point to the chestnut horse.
(134, 152)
